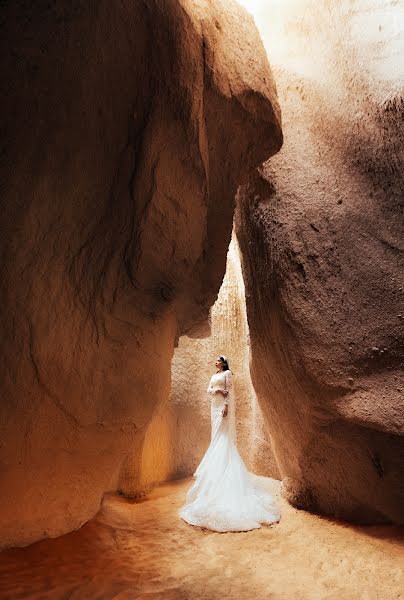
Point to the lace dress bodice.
(220, 381)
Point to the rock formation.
(126, 129)
(321, 231)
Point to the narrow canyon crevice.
(179, 432)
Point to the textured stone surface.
(321, 231)
(126, 127)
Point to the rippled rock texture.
(126, 128)
(321, 231)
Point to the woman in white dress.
(225, 495)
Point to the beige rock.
(126, 128)
(321, 233)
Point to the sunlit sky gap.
(294, 30)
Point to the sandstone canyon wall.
(126, 128)
(321, 230)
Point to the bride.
(225, 496)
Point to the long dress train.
(225, 496)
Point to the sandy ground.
(143, 550)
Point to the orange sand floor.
(143, 550)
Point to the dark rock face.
(321, 231)
(126, 128)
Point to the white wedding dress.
(225, 495)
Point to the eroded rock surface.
(321, 231)
(126, 128)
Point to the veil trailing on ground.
(225, 495)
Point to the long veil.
(225, 496)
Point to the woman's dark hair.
(224, 363)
